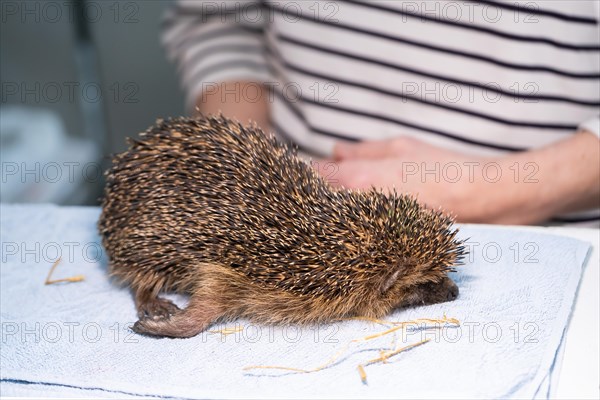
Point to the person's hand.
(436, 176)
(517, 188)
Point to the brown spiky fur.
(228, 214)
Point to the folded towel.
(516, 294)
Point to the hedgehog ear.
(390, 275)
(388, 281)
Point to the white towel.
(516, 294)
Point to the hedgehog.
(234, 218)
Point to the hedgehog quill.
(232, 217)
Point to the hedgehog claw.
(145, 326)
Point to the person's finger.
(374, 149)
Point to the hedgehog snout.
(452, 291)
(431, 293)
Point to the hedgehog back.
(211, 190)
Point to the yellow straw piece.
(362, 373)
(400, 325)
(389, 354)
(384, 356)
(228, 331)
(48, 281)
(373, 320)
(445, 319)
(76, 278)
(331, 361)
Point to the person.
(486, 109)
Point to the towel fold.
(516, 294)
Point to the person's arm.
(565, 177)
(244, 101)
(218, 48)
(521, 188)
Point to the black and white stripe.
(484, 77)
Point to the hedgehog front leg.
(192, 320)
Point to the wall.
(105, 74)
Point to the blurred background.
(78, 77)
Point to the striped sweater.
(482, 77)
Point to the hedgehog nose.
(453, 292)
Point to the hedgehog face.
(408, 282)
(407, 248)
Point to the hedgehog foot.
(182, 324)
(150, 306)
(157, 308)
